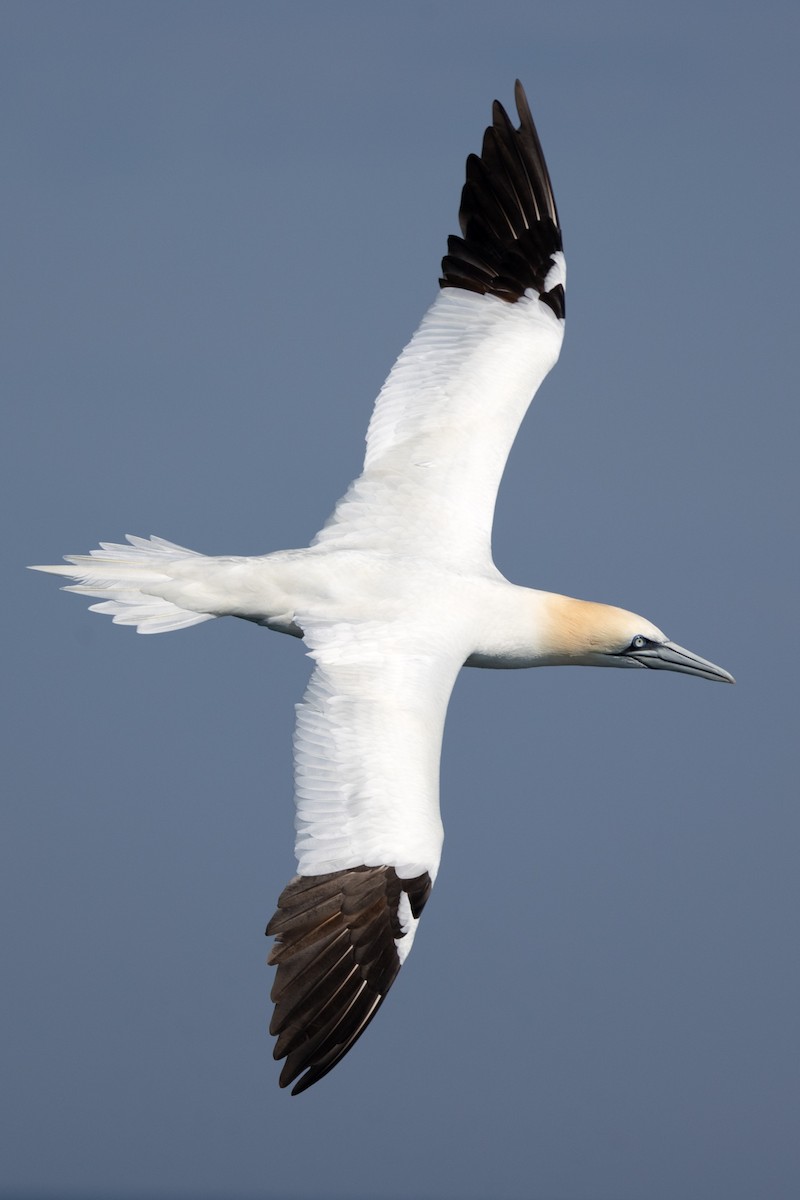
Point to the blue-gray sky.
(222, 222)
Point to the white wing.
(447, 416)
(369, 835)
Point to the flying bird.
(395, 594)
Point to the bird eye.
(638, 642)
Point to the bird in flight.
(396, 593)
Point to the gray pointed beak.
(669, 657)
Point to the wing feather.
(446, 418)
(332, 980)
(369, 836)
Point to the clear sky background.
(221, 224)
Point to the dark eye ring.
(638, 642)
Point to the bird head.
(583, 633)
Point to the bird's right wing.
(447, 416)
(369, 835)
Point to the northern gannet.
(396, 593)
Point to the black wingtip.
(509, 221)
(336, 951)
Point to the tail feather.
(126, 579)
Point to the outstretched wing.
(447, 416)
(369, 836)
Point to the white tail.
(128, 579)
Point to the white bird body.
(396, 593)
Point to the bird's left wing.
(446, 418)
(369, 835)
